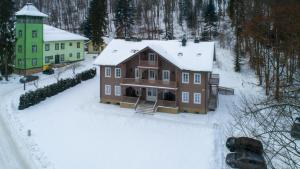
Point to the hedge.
(34, 97)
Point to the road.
(11, 156)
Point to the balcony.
(149, 83)
(214, 79)
(148, 64)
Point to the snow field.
(77, 132)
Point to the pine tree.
(124, 18)
(97, 21)
(237, 58)
(7, 38)
(86, 29)
(210, 19)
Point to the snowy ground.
(73, 130)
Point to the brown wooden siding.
(128, 74)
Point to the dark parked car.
(28, 78)
(246, 160)
(296, 129)
(48, 71)
(244, 144)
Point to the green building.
(39, 45)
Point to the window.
(137, 73)
(78, 44)
(70, 44)
(34, 34)
(20, 50)
(20, 33)
(107, 72)
(151, 57)
(47, 60)
(78, 55)
(47, 47)
(197, 98)
(117, 73)
(151, 75)
(95, 47)
(70, 55)
(185, 77)
(107, 89)
(117, 90)
(34, 48)
(57, 46)
(185, 97)
(166, 75)
(34, 62)
(62, 58)
(20, 62)
(62, 46)
(197, 78)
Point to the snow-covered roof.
(106, 40)
(193, 56)
(30, 10)
(54, 34)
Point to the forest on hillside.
(267, 37)
(153, 19)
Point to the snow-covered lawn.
(73, 130)
(76, 132)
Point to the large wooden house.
(165, 76)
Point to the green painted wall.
(25, 42)
(69, 53)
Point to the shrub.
(34, 97)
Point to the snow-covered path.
(10, 156)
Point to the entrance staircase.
(145, 107)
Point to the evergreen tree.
(237, 58)
(124, 18)
(85, 29)
(210, 19)
(7, 38)
(96, 25)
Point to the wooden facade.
(149, 77)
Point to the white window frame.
(197, 74)
(163, 75)
(116, 73)
(185, 97)
(117, 90)
(188, 78)
(107, 90)
(107, 71)
(197, 98)
(137, 73)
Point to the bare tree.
(270, 121)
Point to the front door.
(151, 94)
(56, 59)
